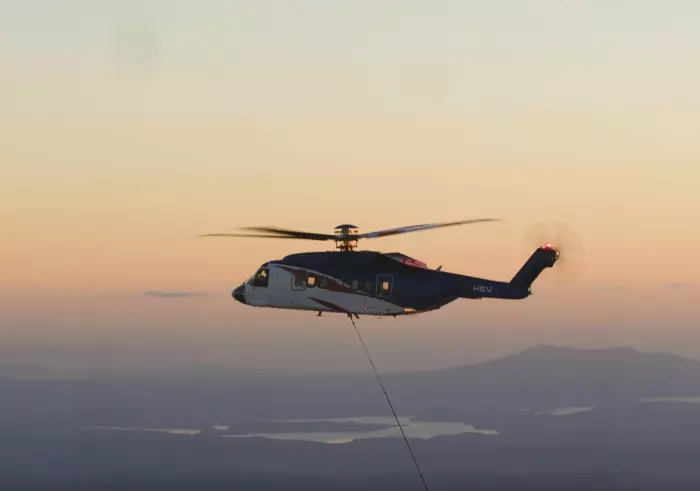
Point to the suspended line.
(381, 384)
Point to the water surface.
(412, 428)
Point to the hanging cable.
(381, 384)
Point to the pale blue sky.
(366, 56)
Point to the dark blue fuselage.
(374, 283)
(411, 287)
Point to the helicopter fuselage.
(374, 283)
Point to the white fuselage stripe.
(338, 297)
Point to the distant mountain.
(23, 369)
(537, 379)
(544, 376)
(620, 444)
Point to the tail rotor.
(556, 235)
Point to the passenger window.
(384, 285)
(355, 284)
(323, 283)
(261, 278)
(368, 286)
(298, 280)
(310, 281)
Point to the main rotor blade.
(419, 228)
(257, 236)
(291, 233)
(278, 233)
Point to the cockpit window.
(261, 278)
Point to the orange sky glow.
(125, 137)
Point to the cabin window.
(298, 280)
(261, 278)
(355, 284)
(323, 282)
(310, 280)
(384, 285)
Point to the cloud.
(172, 294)
(612, 287)
(680, 285)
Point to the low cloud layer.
(612, 287)
(681, 285)
(174, 294)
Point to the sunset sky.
(128, 128)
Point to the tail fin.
(543, 257)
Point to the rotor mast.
(346, 237)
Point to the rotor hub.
(346, 237)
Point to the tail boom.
(518, 287)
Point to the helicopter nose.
(238, 294)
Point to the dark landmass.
(546, 376)
(622, 443)
(537, 379)
(535, 451)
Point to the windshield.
(260, 278)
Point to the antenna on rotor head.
(346, 237)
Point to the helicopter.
(364, 282)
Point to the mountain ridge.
(551, 353)
(552, 376)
